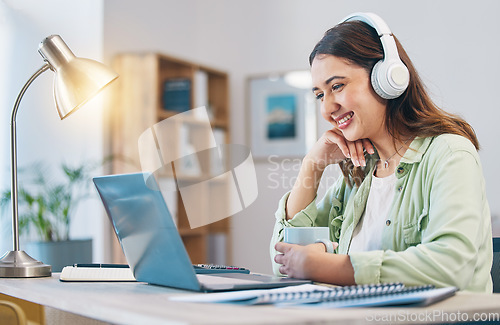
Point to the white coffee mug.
(305, 235)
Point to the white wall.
(42, 136)
(453, 44)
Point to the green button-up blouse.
(438, 230)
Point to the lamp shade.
(76, 79)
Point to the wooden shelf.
(139, 104)
(187, 232)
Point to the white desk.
(139, 303)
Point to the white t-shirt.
(367, 235)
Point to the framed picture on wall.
(282, 114)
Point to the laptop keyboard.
(211, 269)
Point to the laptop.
(152, 244)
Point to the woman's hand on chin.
(332, 148)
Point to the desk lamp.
(76, 81)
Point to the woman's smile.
(344, 120)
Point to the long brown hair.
(411, 114)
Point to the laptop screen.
(148, 236)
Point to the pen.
(102, 265)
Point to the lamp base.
(18, 264)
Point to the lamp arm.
(13, 156)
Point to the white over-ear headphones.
(390, 77)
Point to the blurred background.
(453, 44)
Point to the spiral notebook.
(310, 295)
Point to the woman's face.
(347, 98)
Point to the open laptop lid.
(152, 244)
(148, 236)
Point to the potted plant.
(46, 205)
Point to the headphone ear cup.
(375, 76)
(390, 79)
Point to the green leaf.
(46, 204)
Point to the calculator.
(212, 268)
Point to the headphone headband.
(389, 76)
(371, 19)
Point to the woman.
(411, 205)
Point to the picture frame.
(282, 114)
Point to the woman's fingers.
(333, 147)
(368, 146)
(356, 153)
(283, 247)
(351, 149)
(335, 138)
(360, 153)
(353, 153)
(279, 258)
